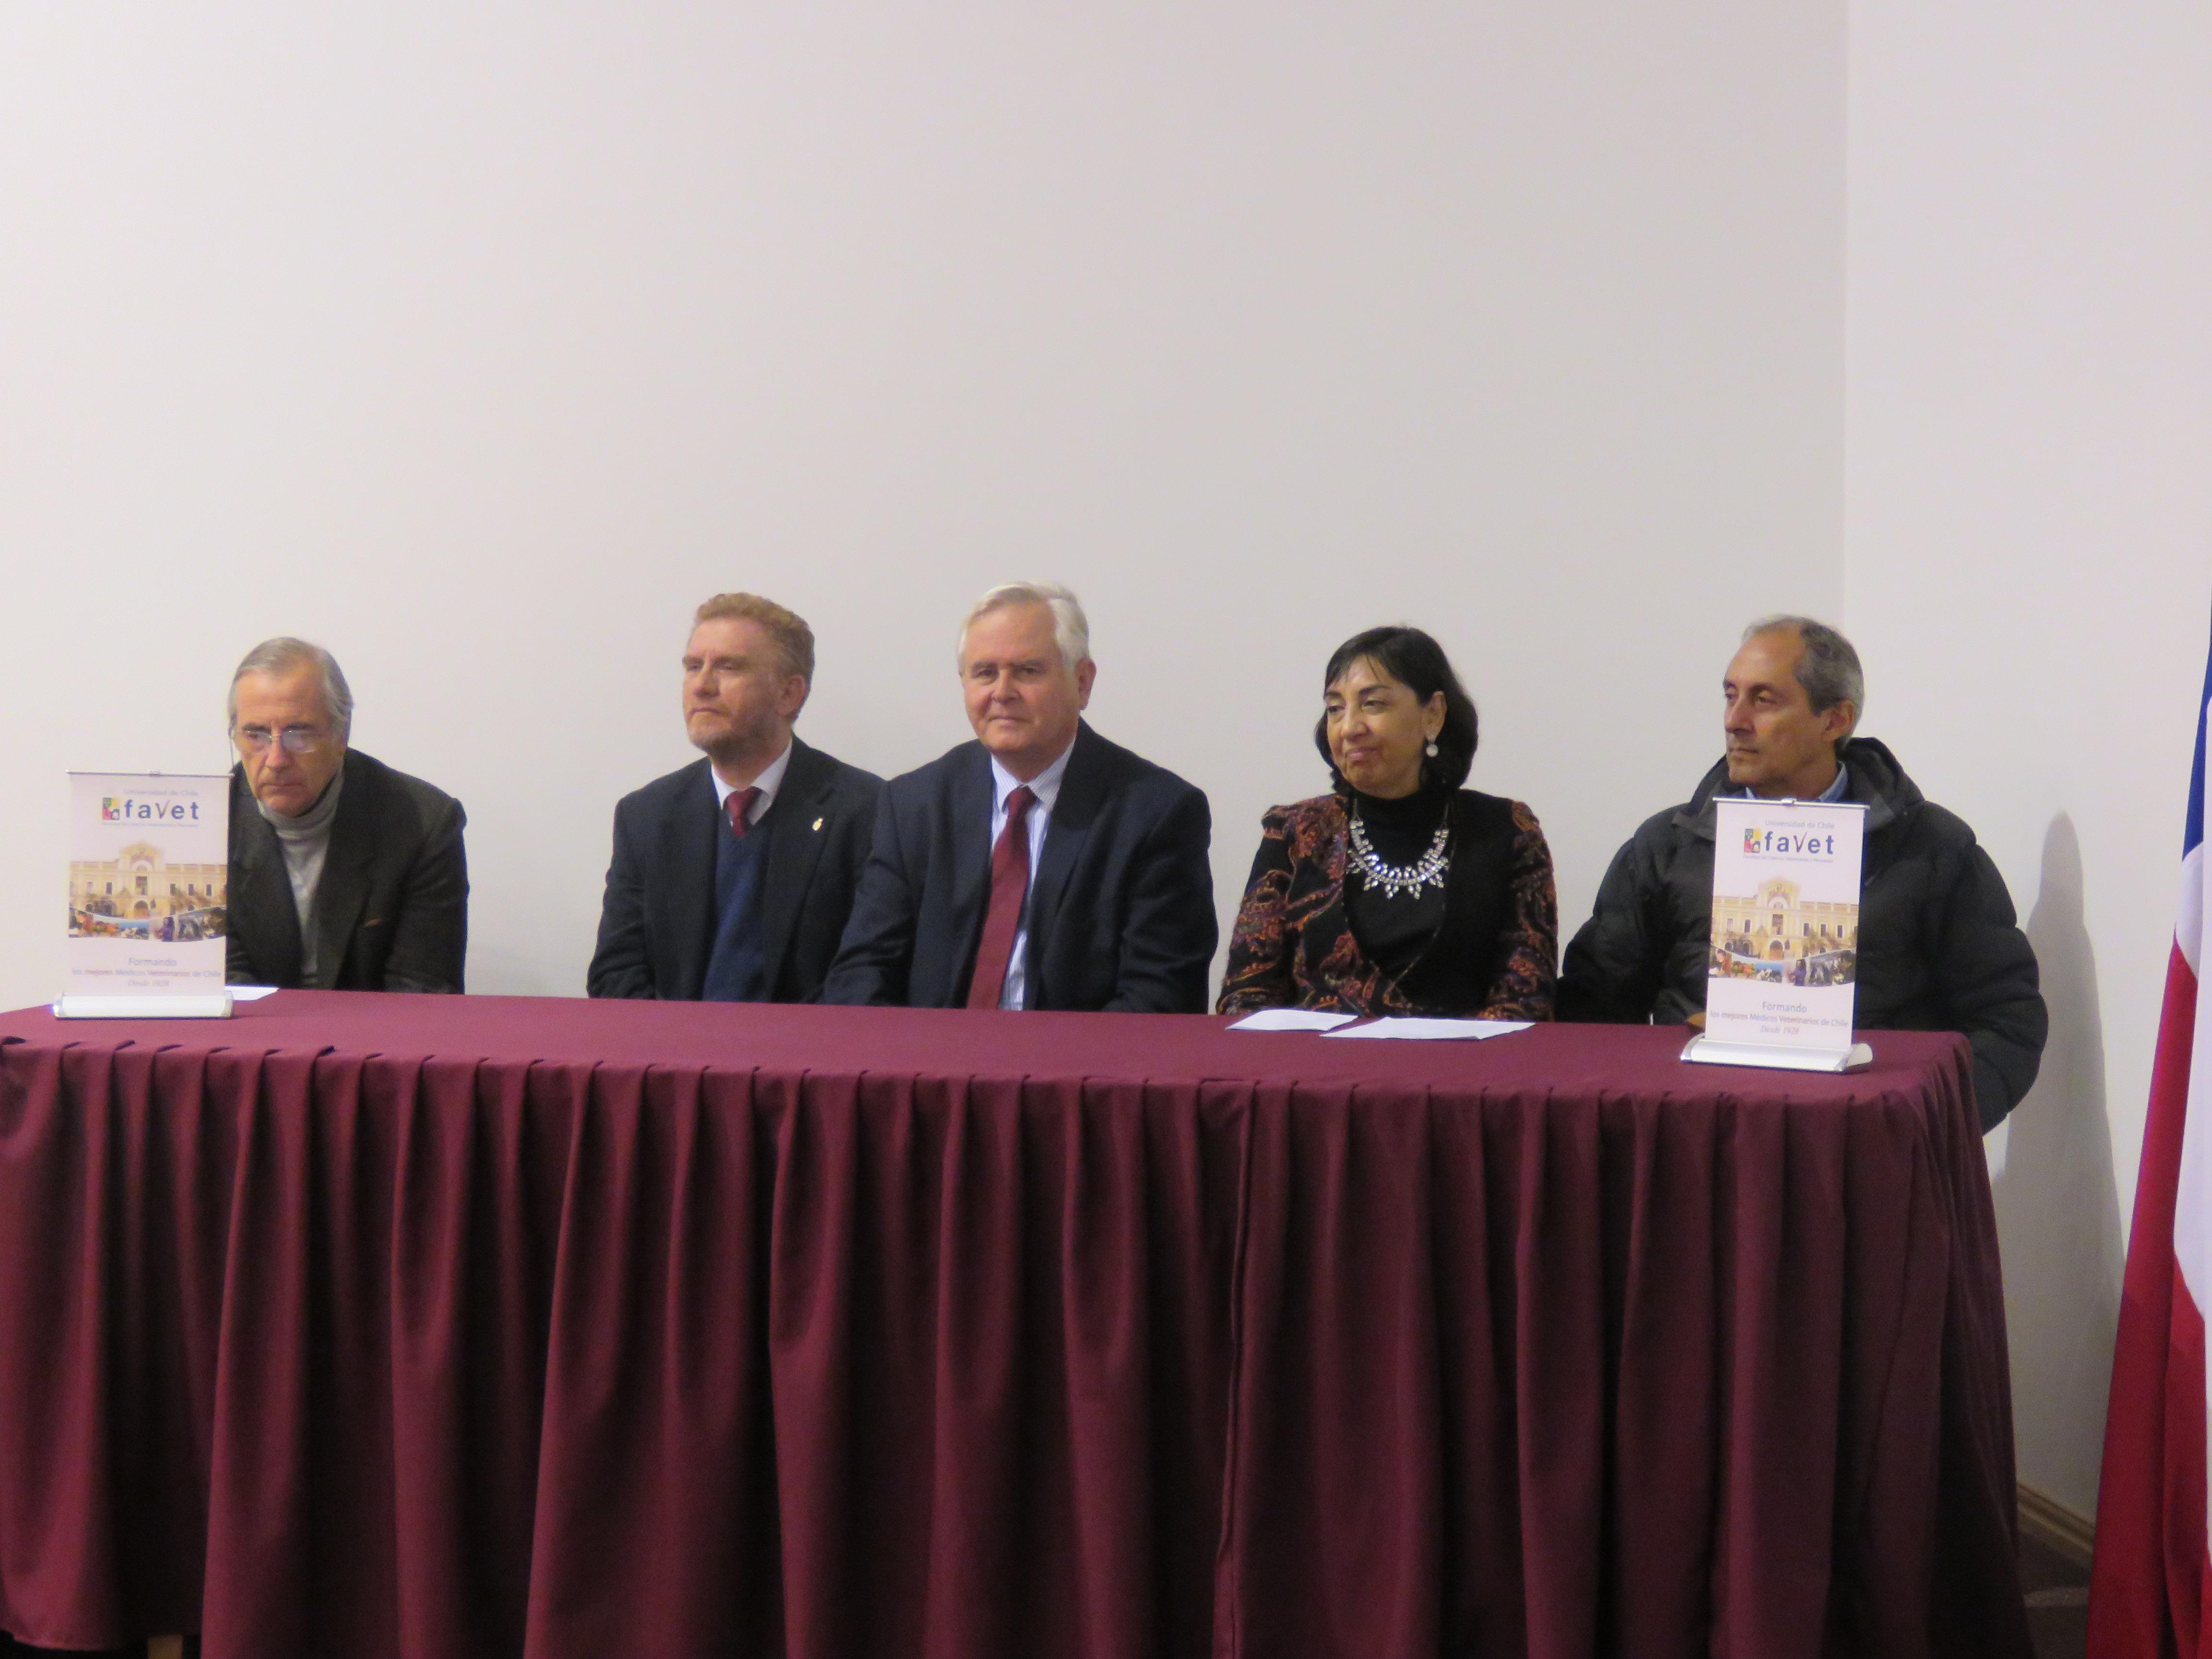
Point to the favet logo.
(1784, 843)
(118, 808)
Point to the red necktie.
(1009, 885)
(738, 804)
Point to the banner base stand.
(1711, 1051)
(200, 1005)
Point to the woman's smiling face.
(1378, 730)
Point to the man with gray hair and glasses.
(1939, 947)
(1040, 866)
(345, 875)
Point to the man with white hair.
(345, 875)
(1040, 866)
(1939, 948)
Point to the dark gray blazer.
(392, 909)
(1121, 905)
(657, 921)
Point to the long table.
(386, 1325)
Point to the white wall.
(480, 343)
(2029, 559)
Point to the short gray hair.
(1829, 669)
(1071, 629)
(282, 654)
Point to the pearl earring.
(1432, 748)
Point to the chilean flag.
(2150, 1591)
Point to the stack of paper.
(1291, 1019)
(1416, 1030)
(1436, 1030)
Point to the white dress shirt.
(1046, 788)
(769, 780)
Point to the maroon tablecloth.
(398, 1326)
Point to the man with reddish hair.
(732, 878)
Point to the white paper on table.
(1436, 1030)
(253, 993)
(1291, 1019)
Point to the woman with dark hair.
(1398, 892)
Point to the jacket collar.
(795, 820)
(342, 888)
(1877, 783)
(1083, 792)
(261, 911)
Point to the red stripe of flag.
(2148, 1587)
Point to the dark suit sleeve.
(846, 862)
(1616, 960)
(430, 936)
(1167, 944)
(1986, 972)
(620, 965)
(877, 953)
(238, 962)
(237, 966)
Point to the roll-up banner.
(149, 880)
(1781, 964)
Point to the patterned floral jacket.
(1495, 957)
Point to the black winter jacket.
(1940, 949)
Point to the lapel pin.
(818, 823)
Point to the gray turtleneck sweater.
(307, 841)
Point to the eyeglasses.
(296, 739)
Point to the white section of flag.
(2192, 1198)
(2192, 1209)
(2188, 916)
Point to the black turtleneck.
(1392, 931)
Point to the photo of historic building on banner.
(1778, 935)
(139, 894)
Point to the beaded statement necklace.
(1428, 871)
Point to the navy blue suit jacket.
(657, 922)
(1121, 904)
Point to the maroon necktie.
(740, 802)
(1009, 885)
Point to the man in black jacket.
(345, 874)
(1039, 866)
(732, 878)
(1939, 947)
